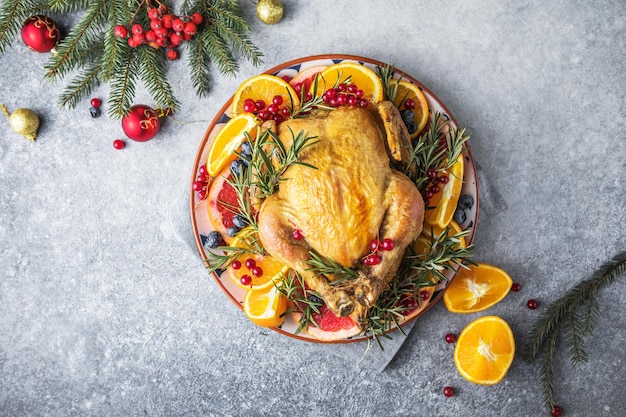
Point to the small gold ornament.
(23, 121)
(269, 11)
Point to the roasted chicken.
(353, 197)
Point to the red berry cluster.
(166, 30)
(344, 95)
(298, 87)
(274, 111)
(433, 186)
(201, 183)
(374, 257)
(251, 265)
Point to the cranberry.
(202, 194)
(516, 287)
(342, 99)
(287, 78)
(352, 101)
(387, 244)
(196, 18)
(285, 112)
(96, 102)
(374, 245)
(448, 391)
(450, 338)
(236, 264)
(120, 31)
(272, 108)
(260, 104)
(172, 55)
(360, 93)
(198, 185)
(556, 411)
(119, 144)
(373, 259)
(297, 234)
(203, 170)
(443, 179)
(363, 103)
(264, 115)
(278, 118)
(342, 87)
(277, 100)
(424, 295)
(250, 263)
(434, 189)
(257, 271)
(409, 103)
(352, 88)
(531, 304)
(245, 280)
(431, 173)
(428, 194)
(202, 178)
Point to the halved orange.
(485, 350)
(407, 90)
(271, 269)
(353, 73)
(446, 200)
(265, 306)
(264, 87)
(477, 288)
(229, 139)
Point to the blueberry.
(219, 272)
(237, 167)
(315, 299)
(411, 127)
(213, 240)
(466, 201)
(239, 221)
(246, 150)
(407, 116)
(459, 216)
(95, 112)
(232, 231)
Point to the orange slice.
(243, 272)
(407, 90)
(265, 306)
(435, 231)
(485, 350)
(228, 140)
(353, 73)
(446, 200)
(264, 87)
(477, 288)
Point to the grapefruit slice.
(330, 327)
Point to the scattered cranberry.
(250, 263)
(374, 245)
(531, 304)
(96, 102)
(245, 280)
(556, 411)
(120, 31)
(387, 244)
(516, 287)
(297, 234)
(448, 391)
(198, 185)
(172, 55)
(119, 144)
(450, 338)
(409, 104)
(424, 295)
(236, 264)
(257, 271)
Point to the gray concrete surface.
(104, 312)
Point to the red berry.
(374, 259)
(163, 42)
(245, 280)
(353, 101)
(176, 39)
(363, 103)
(443, 179)
(139, 38)
(450, 338)
(297, 234)
(342, 99)
(156, 24)
(352, 88)
(136, 28)
(161, 33)
(264, 115)
(516, 287)
(249, 107)
(285, 112)
(166, 20)
(360, 93)
(178, 25)
(202, 194)
(150, 35)
(448, 391)
(278, 118)
(172, 54)
(342, 87)
(196, 18)
(434, 189)
(120, 31)
(236, 264)
(132, 42)
(428, 194)
(556, 411)
(257, 271)
(260, 104)
(387, 244)
(190, 28)
(424, 295)
(286, 78)
(531, 304)
(153, 13)
(374, 245)
(272, 108)
(250, 263)
(277, 100)
(431, 173)
(119, 144)
(409, 103)
(297, 87)
(96, 102)
(203, 170)
(198, 185)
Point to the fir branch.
(152, 73)
(67, 6)
(81, 86)
(113, 45)
(199, 65)
(123, 84)
(565, 314)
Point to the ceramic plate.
(202, 225)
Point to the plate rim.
(219, 114)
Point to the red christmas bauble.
(141, 124)
(40, 33)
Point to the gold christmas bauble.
(269, 11)
(25, 122)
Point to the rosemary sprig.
(574, 314)
(240, 181)
(223, 256)
(305, 301)
(390, 86)
(322, 265)
(307, 106)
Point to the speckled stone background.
(104, 311)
